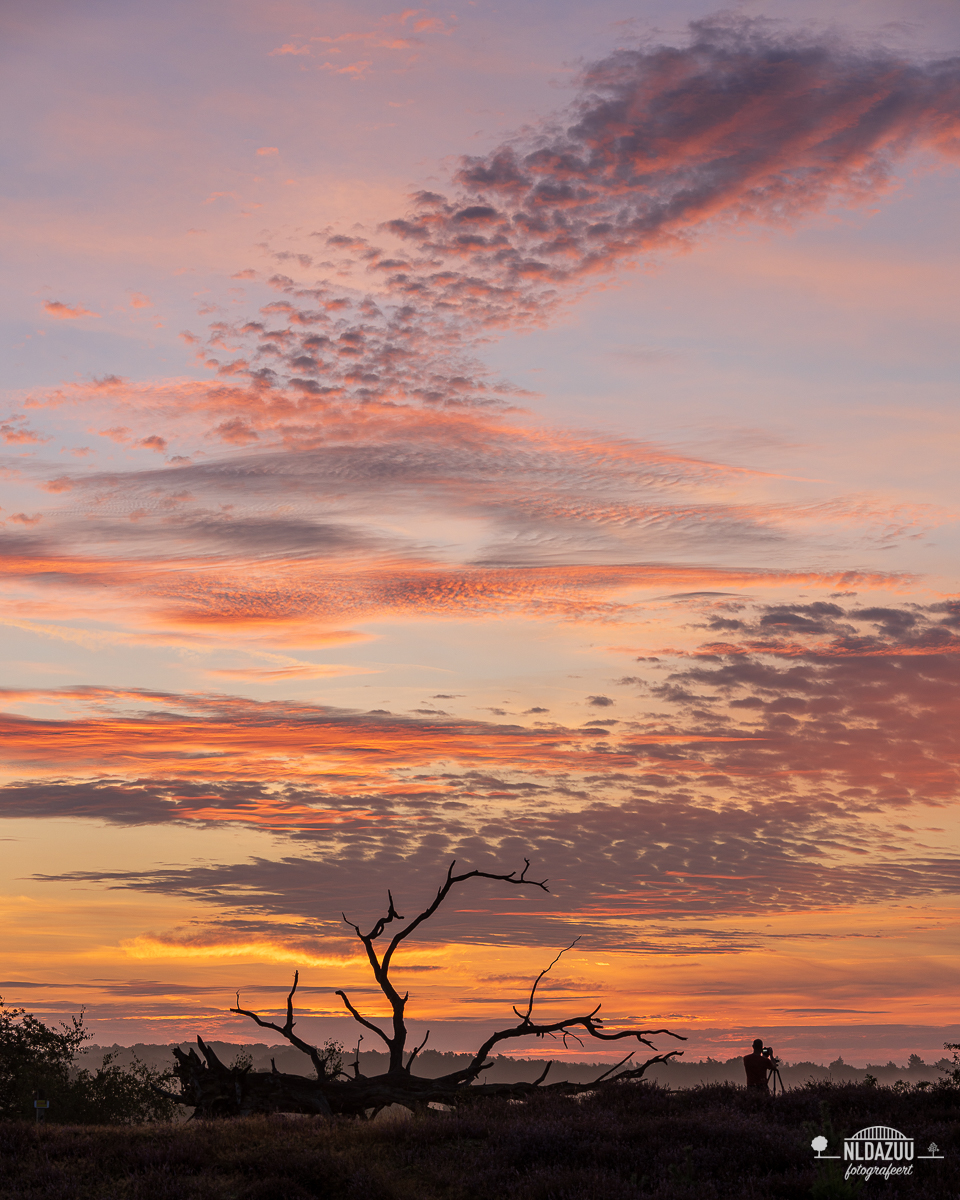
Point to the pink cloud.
(63, 484)
(664, 145)
(15, 433)
(264, 151)
(759, 786)
(236, 432)
(276, 674)
(66, 312)
(117, 433)
(431, 25)
(356, 69)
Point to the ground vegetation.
(635, 1142)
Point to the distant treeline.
(674, 1074)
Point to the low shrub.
(712, 1143)
(38, 1062)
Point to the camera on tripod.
(767, 1052)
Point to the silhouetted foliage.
(949, 1081)
(37, 1060)
(34, 1058)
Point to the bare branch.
(414, 1053)
(590, 1023)
(286, 1030)
(383, 922)
(363, 1020)
(543, 1074)
(356, 1061)
(615, 1067)
(526, 1016)
(289, 1021)
(640, 1035)
(445, 889)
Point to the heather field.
(638, 1141)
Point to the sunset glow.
(488, 436)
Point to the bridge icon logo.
(876, 1150)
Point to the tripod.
(776, 1078)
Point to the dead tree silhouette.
(216, 1090)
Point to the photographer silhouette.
(759, 1065)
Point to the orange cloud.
(231, 736)
(356, 69)
(293, 670)
(15, 433)
(300, 603)
(66, 312)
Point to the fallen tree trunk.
(215, 1090)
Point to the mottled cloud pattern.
(743, 123)
(746, 123)
(663, 145)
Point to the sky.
(483, 433)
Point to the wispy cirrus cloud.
(306, 599)
(394, 31)
(234, 736)
(395, 510)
